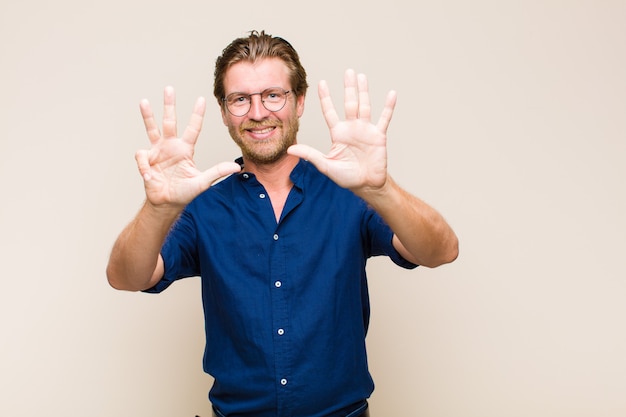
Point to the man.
(280, 245)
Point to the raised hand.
(168, 169)
(358, 155)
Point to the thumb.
(218, 171)
(310, 154)
(143, 164)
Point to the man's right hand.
(168, 170)
(171, 180)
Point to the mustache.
(263, 123)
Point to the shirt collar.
(297, 174)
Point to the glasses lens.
(274, 98)
(238, 103)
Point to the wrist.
(166, 213)
(375, 196)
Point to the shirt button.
(277, 284)
(246, 176)
(261, 195)
(281, 332)
(275, 237)
(283, 381)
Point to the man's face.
(262, 135)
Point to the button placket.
(282, 342)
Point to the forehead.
(249, 77)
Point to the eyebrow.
(265, 89)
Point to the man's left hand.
(357, 159)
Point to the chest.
(278, 200)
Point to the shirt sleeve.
(381, 240)
(180, 256)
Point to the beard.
(269, 150)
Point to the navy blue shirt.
(286, 304)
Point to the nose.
(257, 109)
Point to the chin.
(264, 159)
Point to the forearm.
(422, 235)
(134, 262)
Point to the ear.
(224, 115)
(300, 105)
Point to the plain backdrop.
(511, 120)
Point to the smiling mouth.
(261, 131)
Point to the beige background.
(510, 120)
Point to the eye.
(237, 99)
(273, 95)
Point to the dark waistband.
(359, 410)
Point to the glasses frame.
(260, 94)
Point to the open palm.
(169, 172)
(358, 155)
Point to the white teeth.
(266, 130)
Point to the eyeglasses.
(273, 99)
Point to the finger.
(365, 108)
(350, 98)
(218, 171)
(143, 164)
(192, 131)
(328, 108)
(154, 134)
(310, 154)
(169, 113)
(385, 117)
